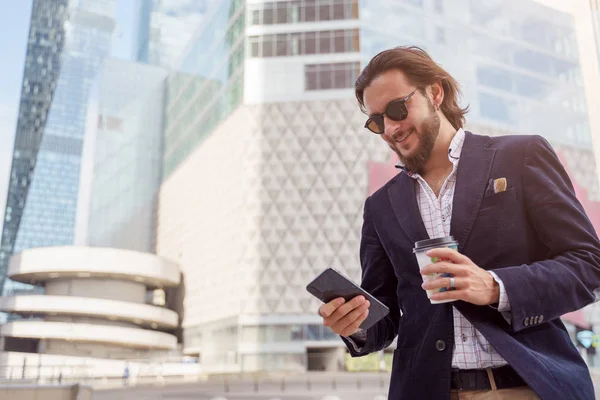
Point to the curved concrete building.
(97, 302)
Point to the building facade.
(40, 77)
(127, 156)
(77, 42)
(111, 308)
(261, 194)
(165, 28)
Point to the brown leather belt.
(477, 379)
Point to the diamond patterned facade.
(277, 196)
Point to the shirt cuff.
(357, 340)
(503, 302)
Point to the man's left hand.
(472, 284)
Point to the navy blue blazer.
(535, 236)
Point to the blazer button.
(440, 345)
(541, 319)
(536, 319)
(526, 322)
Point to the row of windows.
(542, 33)
(291, 12)
(331, 76)
(292, 44)
(512, 82)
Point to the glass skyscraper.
(40, 77)
(127, 159)
(68, 41)
(165, 28)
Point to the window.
(268, 17)
(311, 72)
(255, 47)
(339, 41)
(339, 10)
(284, 12)
(281, 15)
(310, 12)
(494, 77)
(331, 76)
(256, 20)
(282, 45)
(310, 43)
(324, 11)
(321, 42)
(324, 42)
(495, 108)
(530, 87)
(268, 42)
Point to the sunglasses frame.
(402, 101)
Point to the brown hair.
(420, 69)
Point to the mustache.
(400, 134)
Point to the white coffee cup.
(421, 248)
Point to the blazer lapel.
(404, 203)
(471, 180)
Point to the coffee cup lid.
(437, 242)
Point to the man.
(527, 251)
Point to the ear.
(436, 93)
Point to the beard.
(428, 133)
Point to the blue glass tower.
(67, 44)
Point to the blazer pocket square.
(496, 186)
(500, 185)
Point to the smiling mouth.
(403, 137)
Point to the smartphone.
(331, 284)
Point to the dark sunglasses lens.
(375, 124)
(397, 110)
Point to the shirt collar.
(454, 152)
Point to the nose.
(390, 126)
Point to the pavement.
(311, 386)
(317, 386)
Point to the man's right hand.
(344, 318)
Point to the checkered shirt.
(471, 349)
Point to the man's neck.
(438, 159)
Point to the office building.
(165, 28)
(127, 156)
(46, 205)
(99, 303)
(40, 78)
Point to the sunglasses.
(395, 110)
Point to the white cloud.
(8, 120)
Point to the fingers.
(341, 316)
(327, 309)
(447, 253)
(444, 267)
(347, 307)
(349, 324)
(451, 295)
(444, 283)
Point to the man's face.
(414, 137)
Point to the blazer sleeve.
(569, 278)
(378, 279)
